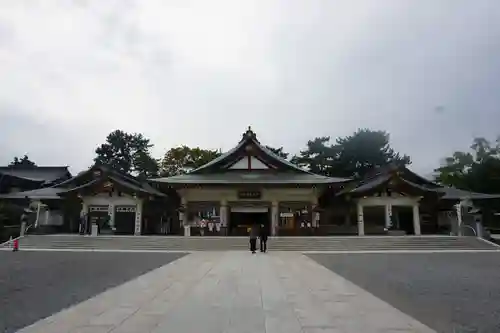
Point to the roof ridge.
(33, 167)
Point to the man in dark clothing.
(254, 232)
(263, 238)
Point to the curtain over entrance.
(241, 218)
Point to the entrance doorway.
(241, 218)
(404, 218)
(98, 215)
(125, 220)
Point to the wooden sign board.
(249, 194)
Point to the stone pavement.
(233, 292)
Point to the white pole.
(37, 214)
(458, 207)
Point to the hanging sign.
(249, 194)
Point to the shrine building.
(247, 185)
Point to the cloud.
(199, 72)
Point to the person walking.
(263, 238)
(254, 232)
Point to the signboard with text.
(252, 194)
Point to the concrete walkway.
(233, 292)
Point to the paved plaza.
(450, 292)
(238, 292)
(34, 285)
(233, 292)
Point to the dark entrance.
(239, 222)
(405, 219)
(98, 215)
(125, 220)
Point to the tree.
(350, 156)
(478, 170)
(22, 162)
(364, 150)
(279, 152)
(180, 160)
(317, 157)
(127, 153)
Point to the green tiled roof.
(249, 178)
(455, 193)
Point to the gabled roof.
(249, 139)
(100, 173)
(96, 175)
(386, 176)
(40, 174)
(391, 176)
(268, 168)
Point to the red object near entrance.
(15, 245)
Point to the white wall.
(269, 195)
(394, 201)
(105, 200)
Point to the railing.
(8, 242)
(471, 228)
(27, 228)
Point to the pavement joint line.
(489, 242)
(284, 251)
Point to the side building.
(118, 203)
(19, 178)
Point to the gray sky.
(199, 72)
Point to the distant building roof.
(41, 193)
(95, 176)
(455, 193)
(41, 174)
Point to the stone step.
(241, 243)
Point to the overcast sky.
(199, 72)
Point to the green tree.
(364, 150)
(351, 156)
(22, 162)
(279, 152)
(128, 153)
(180, 160)
(317, 157)
(477, 170)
